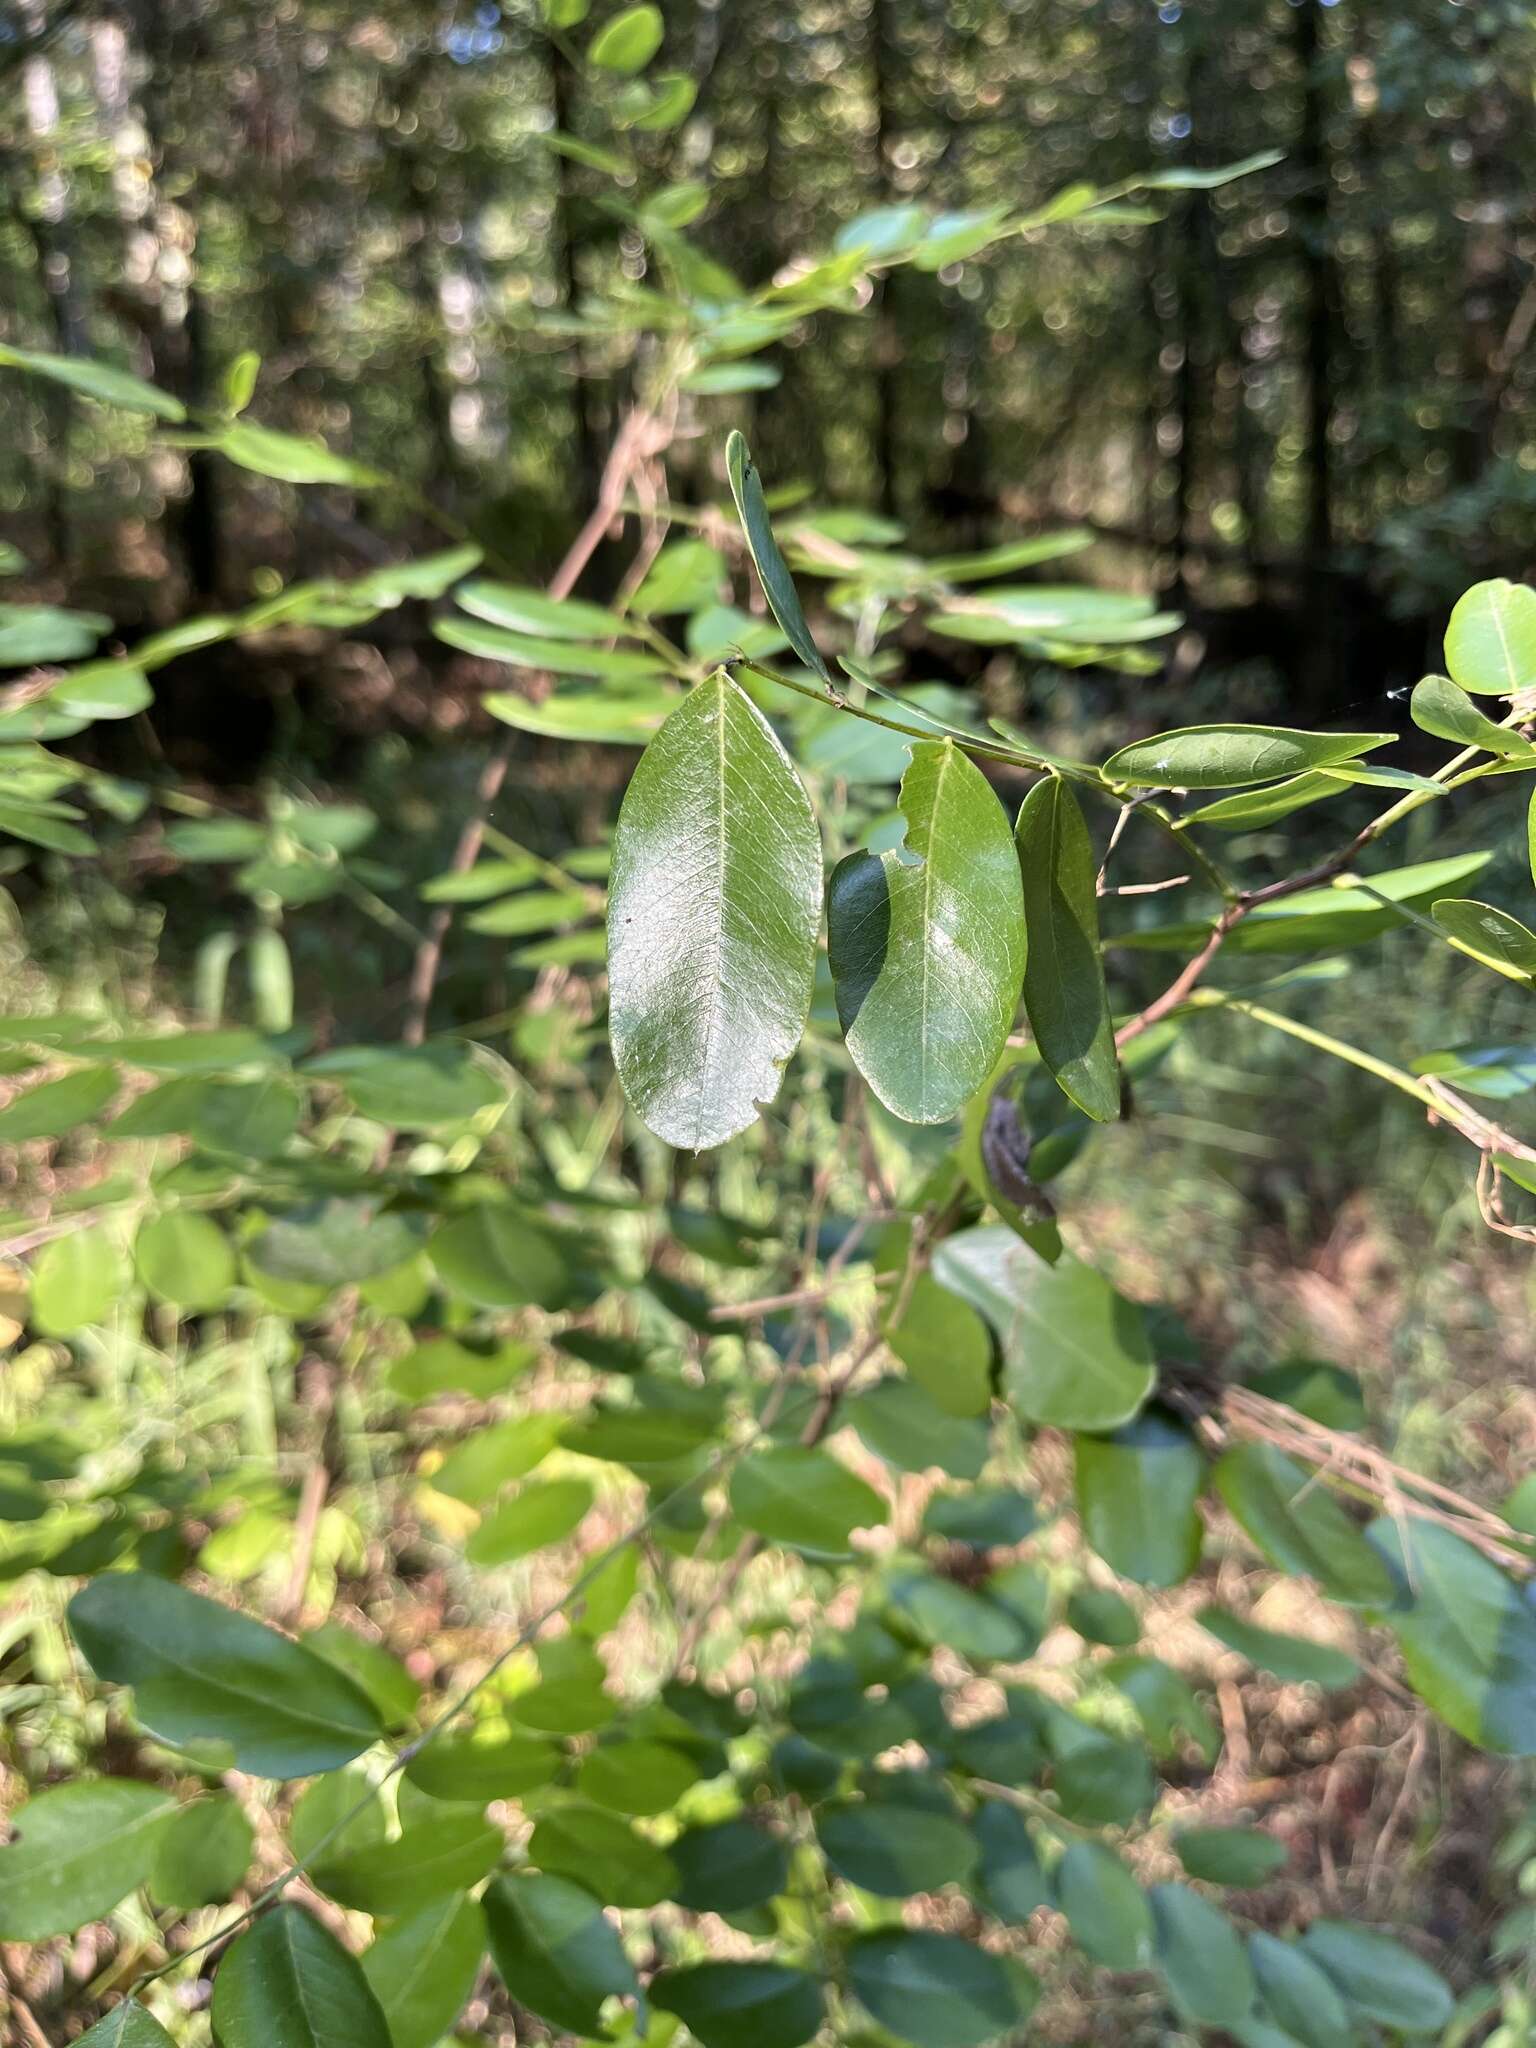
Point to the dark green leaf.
(1102, 1616)
(1136, 1497)
(387, 1683)
(894, 1850)
(1469, 1637)
(712, 916)
(933, 1989)
(556, 1951)
(778, 584)
(1107, 1910)
(287, 1983)
(926, 944)
(202, 1853)
(1238, 1856)
(1299, 1526)
(908, 1428)
(1201, 1957)
(1380, 1978)
(983, 1517)
(1298, 1993)
(742, 2004)
(1064, 992)
(202, 1673)
(606, 1855)
(1009, 1881)
(486, 1763)
(636, 1777)
(1291, 1658)
(728, 1867)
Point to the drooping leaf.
(556, 1951)
(927, 944)
(1490, 643)
(1136, 1496)
(202, 1673)
(1075, 1353)
(712, 913)
(803, 1498)
(1064, 992)
(1232, 756)
(422, 1968)
(778, 584)
(742, 2004)
(78, 1849)
(1299, 1526)
(288, 1983)
(1468, 1636)
(933, 1989)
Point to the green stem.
(1382, 1069)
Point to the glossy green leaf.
(1299, 1994)
(629, 41)
(58, 1106)
(288, 1983)
(422, 1969)
(1064, 992)
(202, 1853)
(1380, 1978)
(1075, 1353)
(1439, 707)
(184, 1258)
(1237, 1856)
(778, 584)
(933, 1989)
(804, 1499)
(1136, 1498)
(1490, 935)
(77, 1850)
(712, 914)
(1107, 1910)
(556, 1951)
(1299, 1526)
(1468, 1637)
(1490, 642)
(447, 1852)
(742, 2004)
(1231, 756)
(927, 944)
(77, 1280)
(608, 1857)
(202, 1673)
(1291, 1658)
(543, 1512)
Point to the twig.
(634, 445)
